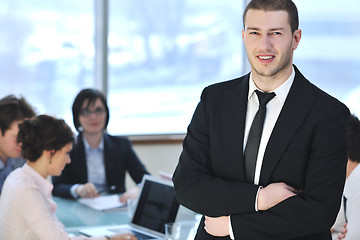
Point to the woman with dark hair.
(99, 160)
(27, 210)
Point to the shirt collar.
(281, 91)
(45, 186)
(87, 145)
(2, 165)
(10, 161)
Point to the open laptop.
(156, 206)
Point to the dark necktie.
(253, 142)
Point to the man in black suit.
(293, 189)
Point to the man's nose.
(265, 42)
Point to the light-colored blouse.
(352, 194)
(27, 210)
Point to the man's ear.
(296, 38)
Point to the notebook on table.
(156, 206)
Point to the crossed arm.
(268, 197)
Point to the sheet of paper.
(103, 202)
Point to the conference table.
(75, 215)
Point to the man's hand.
(273, 194)
(218, 227)
(87, 190)
(342, 233)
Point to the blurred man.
(13, 111)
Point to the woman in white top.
(27, 210)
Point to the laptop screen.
(157, 205)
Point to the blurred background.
(160, 54)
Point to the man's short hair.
(353, 135)
(276, 5)
(13, 109)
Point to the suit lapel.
(234, 114)
(296, 107)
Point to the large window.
(327, 54)
(47, 52)
(162, 53)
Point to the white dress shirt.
(273, 109)
(27, 210)
(352, 194)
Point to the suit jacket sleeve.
(197, 186)
(61, 189)
(119, 159)
(134, 166)
(73, 173)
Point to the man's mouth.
(265, 57)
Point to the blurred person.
(264, 157)
(27, 210)
(99, 160)
(13, 111)
(348, 219)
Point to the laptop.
(156, 206)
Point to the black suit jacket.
(119, 157)
(307, 150)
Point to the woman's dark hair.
(276, 5)
(43, 133)
(91, 95)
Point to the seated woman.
(27, 210)
(99, 160)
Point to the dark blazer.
(307, 150)
(119, 157)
